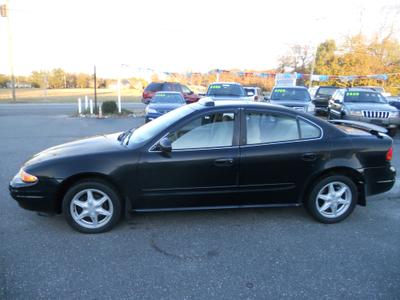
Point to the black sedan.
(211, 155)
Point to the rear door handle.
(224, 162)
(309, 156)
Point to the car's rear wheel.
(92, 206)
(332, 199)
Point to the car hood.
(291, 103)
(369, 106)
(165, 106)
(322, 98)
(87, 146)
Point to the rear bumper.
(40, 196)
(379, 180)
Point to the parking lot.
(226, 254)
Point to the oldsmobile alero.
(211, 154)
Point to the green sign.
(352, 94)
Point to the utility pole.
(95, 90)
(5, 12)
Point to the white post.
(119, 94)
(86, 102)
(79, 106)
(91, 106)
(100, 112)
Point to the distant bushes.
(109, 107)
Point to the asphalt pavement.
(226, 254)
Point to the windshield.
(290, 94)
(167, 98)
(326, 91)
(250, 90)
(151, 129)
(371, 97)
(222, 90)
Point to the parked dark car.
(322, 97)
(162, 103)
(227, 91)
(210, 154)
(155, 87)
(297, 98)
(364, 105)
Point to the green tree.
(57, 79)
(82, 80)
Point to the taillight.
(389, 154)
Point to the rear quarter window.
(308, 130)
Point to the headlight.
(311, 107)
(394, 114)
(26, 177)
(151, 110)
(357, 113)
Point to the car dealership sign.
(285, 79)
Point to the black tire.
(313, 204)
(96, 187)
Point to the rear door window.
(173, 87)
(154, 87)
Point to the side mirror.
(266, 98)
(165, 145)
(337, 101)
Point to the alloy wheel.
(333, 199)
(91, 208)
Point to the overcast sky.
(196, 35)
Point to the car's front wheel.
(332, 199)
(92, 206)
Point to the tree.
(57, 79)
(38, 79)
(297, 59)
(3, 80)
(82, 80)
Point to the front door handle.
(224, 162)
(309, 156)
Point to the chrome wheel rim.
(333, 199)
(91, 208)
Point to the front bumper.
(389, 122)
(40, 196)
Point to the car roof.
(360, 90)
(210, 102)
(168, 92)
(236, 83)
(291, 87)
(329, 86)
(251, 87)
